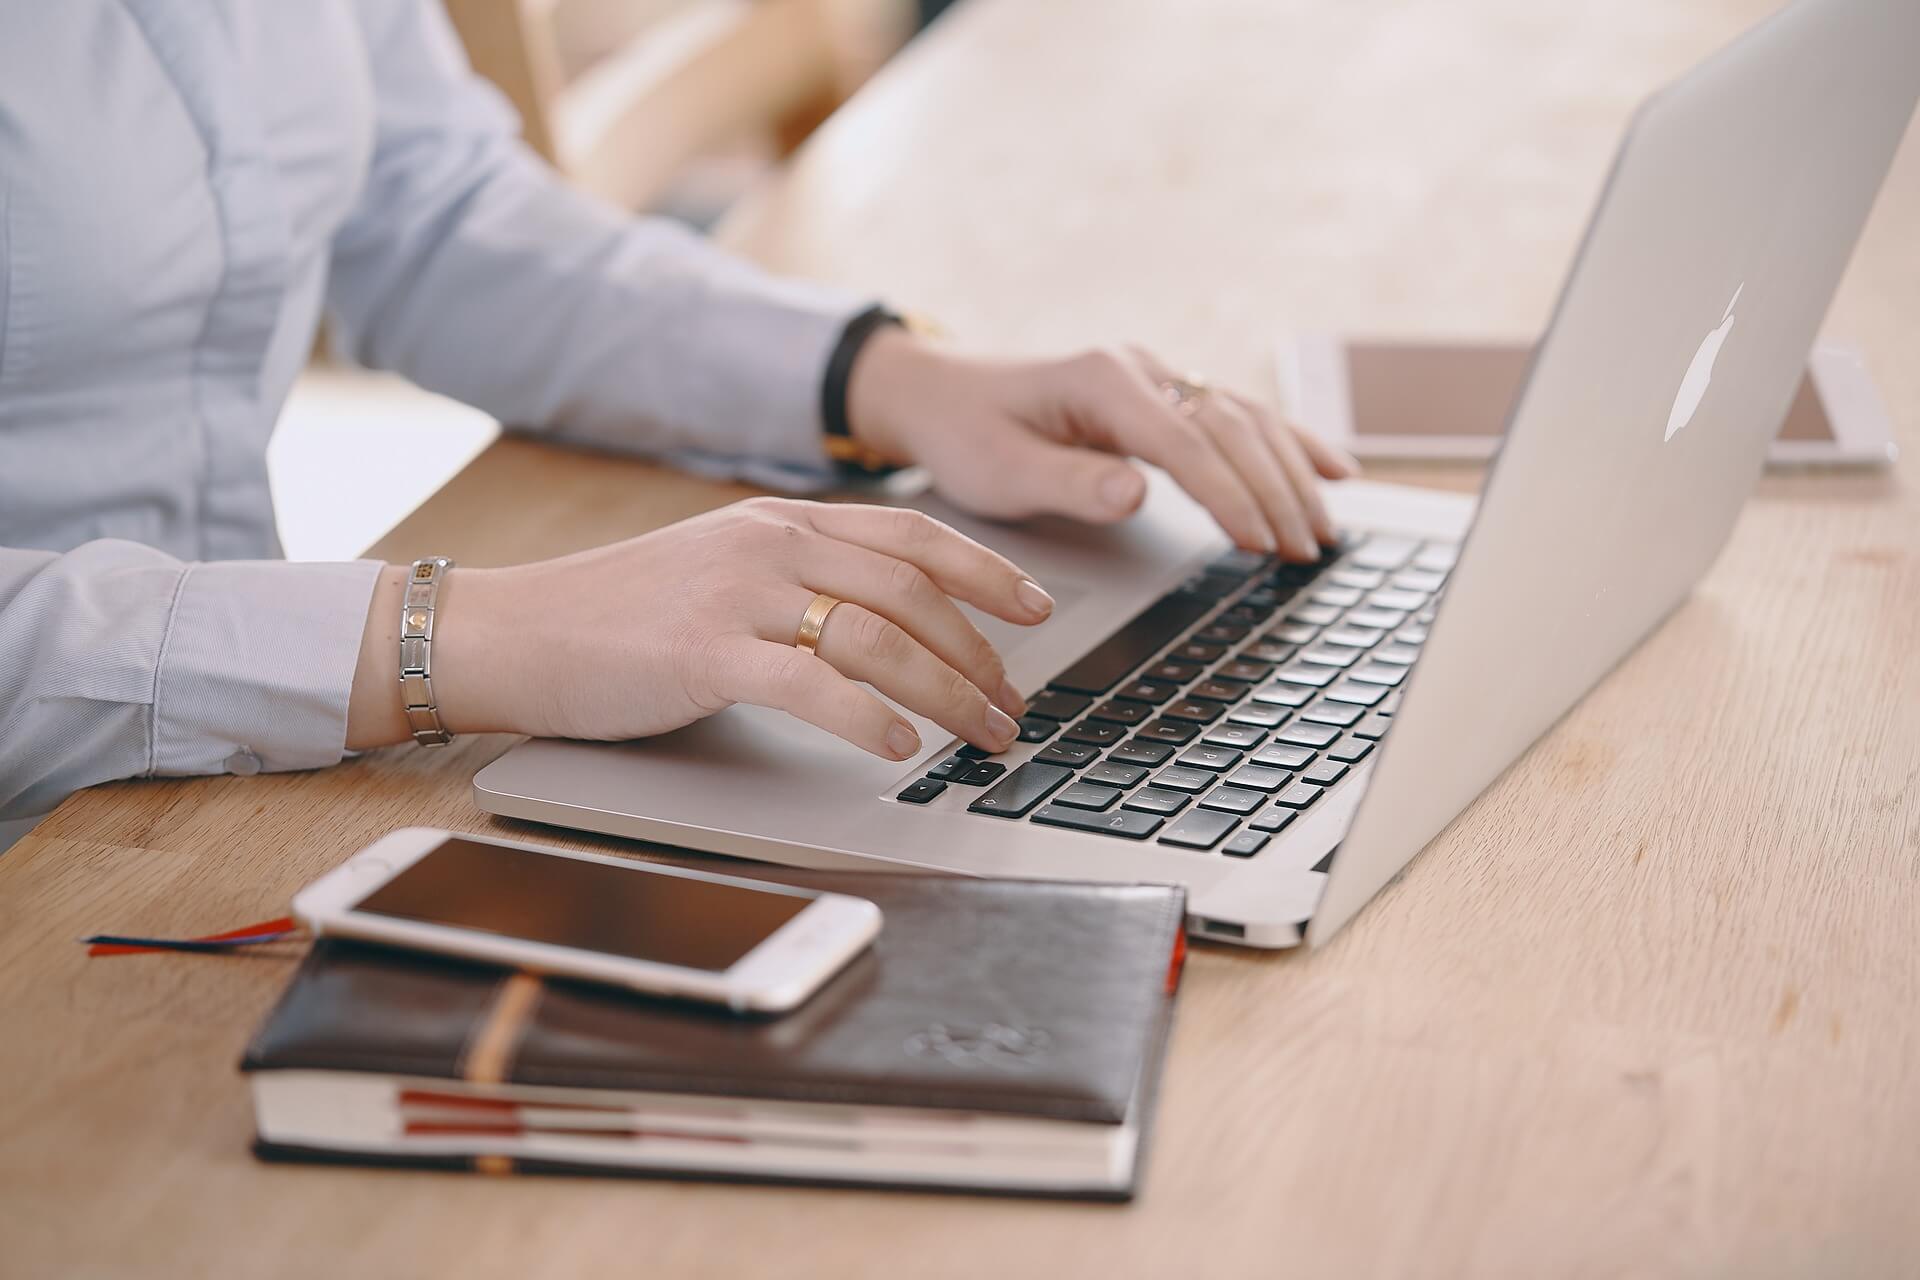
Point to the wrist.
(466, 657)
(891, 377)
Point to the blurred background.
(675, 107)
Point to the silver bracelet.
(416, 651)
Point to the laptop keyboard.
(1224, 709)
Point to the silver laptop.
(1283, 740)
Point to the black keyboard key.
(1241, 737)
(1246, 844)
(1298, 796)
(1022, 789)
(1271, 819)
(1293, 633)
(1223, 633)
(1338, 597)
(1283, 755)
(1176, 732)
(1351, 750)
(1238, 564)
(1395, 598)
(1271, 651)
(1218, 691)
(1399, 655)
(1072, 755)
(1217, 759)
(1200, 653)
(921, 790)
(1340, 713)
(1086, 795)
(1095, 733)
(1137, 752)
(1324, 772)
(1121, 711)
(1181, 777)
(1037, 729)
(971, 752)
(1155, 800)
(1153, 692)
(1127, 824)
(1309, 673)
(1383, 673)
(1232, 800)
(1054, 705)
(1260, 777)
(952, 766)
(1374, 726)
(1280, 693)
(1199, 829)
(983, 774)
(1361, 695)
(1114, 658)
(1191, 709)
(1259, 715)
(1307, 734)
(1312, 615)
(1115, 775)
(1171, 672)
(1242, 672)
(1210, 587)
(1380, 619)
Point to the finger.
(1146, 426)
(905, 594)
(1244, 442)
(958, 565)
(1332, 462)
(1301, 471)
(791, 680)
(863, 645)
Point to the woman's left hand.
(1015, 438)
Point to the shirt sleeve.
(470, 267)
(118, 661)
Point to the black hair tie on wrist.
(852, 456)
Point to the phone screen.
(1466, 390)
(631, 912)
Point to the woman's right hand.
(653, 633)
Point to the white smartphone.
(1385, 400)
(667, 931)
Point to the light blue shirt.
(185, 185)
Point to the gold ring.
(1186, 394)
(808, 637)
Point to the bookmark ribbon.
(114, 944)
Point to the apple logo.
(1700, 372)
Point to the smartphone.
(666, 931)
(1448, 402)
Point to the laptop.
(1281, 739)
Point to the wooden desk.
(1648, 1007)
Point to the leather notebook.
(998, 1036)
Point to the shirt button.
(243, 762)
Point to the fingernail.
(1263, 538)
(902, 741)
(1120, 491)
(1000, 727)
(1033, 597)
(1010, 700)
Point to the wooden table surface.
(1652, 1006)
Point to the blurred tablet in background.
(1389, 399)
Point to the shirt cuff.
(257, 666)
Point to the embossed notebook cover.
(999, 1034)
